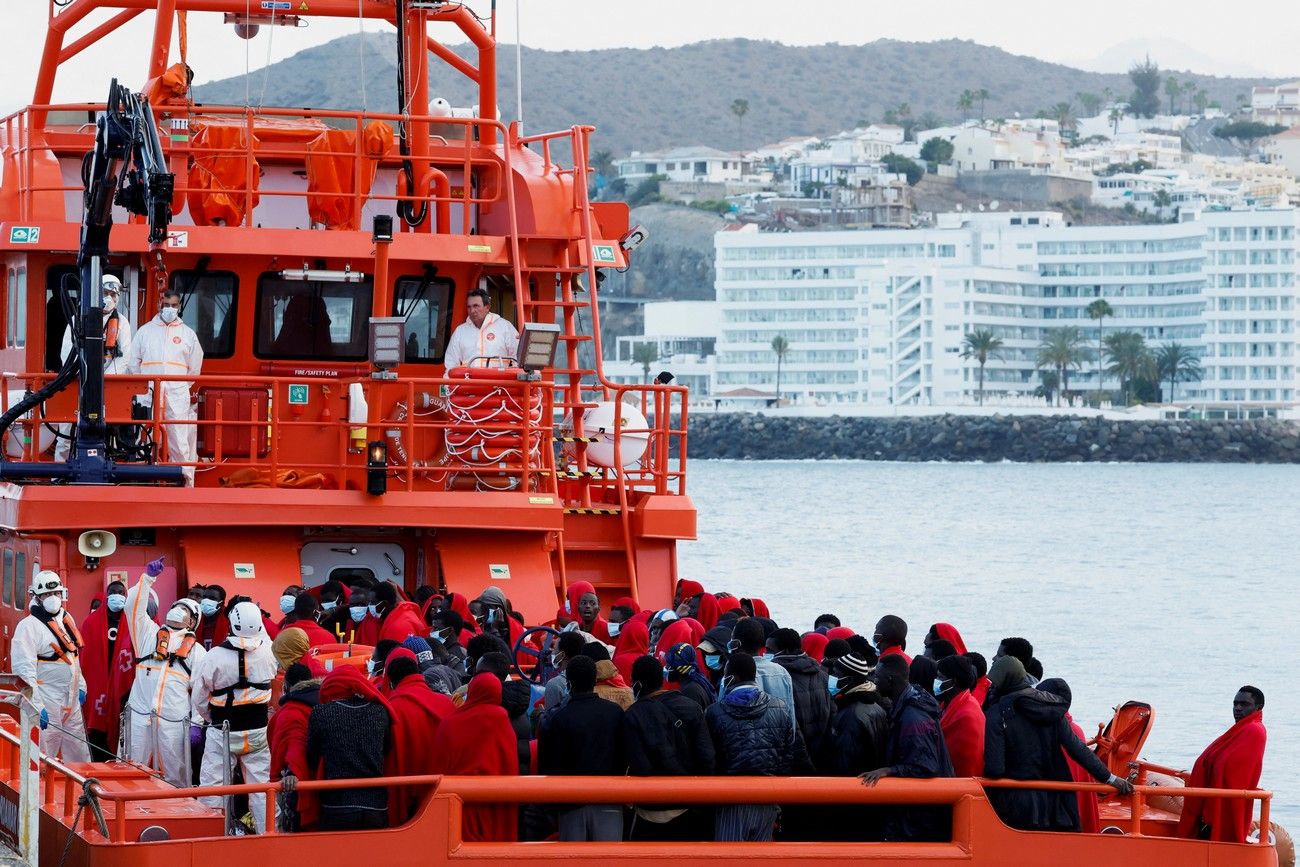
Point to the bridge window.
(20, 575)
(425, 302)
(208, 306)
(8, 590)
(318, 320)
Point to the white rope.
(361, 51)
(266, 70)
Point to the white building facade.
(879, 317)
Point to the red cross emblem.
(176, 339)
(491, 336)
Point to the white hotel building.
(878, 317)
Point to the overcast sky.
(1257, 38)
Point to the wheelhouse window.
(208, 307)
(58, 278)
(316, 320)
(425, 304)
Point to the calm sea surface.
(1170, 584)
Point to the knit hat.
(681, 658)
(417, 645)
(855, 666)
(1007, 673)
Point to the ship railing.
(283, 431)
(661, 467)
(264, 132)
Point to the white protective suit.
(53, 675)
(496, 339)
(111, 365)
(160, 349)
(160, 696)
(215, 682)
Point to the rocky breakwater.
(1032, 439)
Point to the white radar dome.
(599, 422)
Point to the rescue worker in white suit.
(166, 346)
(44, 653)
(233, 685)
(484, 339)
(166, 658)
(117, 347)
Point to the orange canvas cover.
(332, 173)
(217, 177)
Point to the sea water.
(1172, 584)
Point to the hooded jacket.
(477, 740)
(600, 628)
(915, 748)
(1027, 737)
(753, 735)
(859, 730)
(287, 734)
(402, 622)
(813, 706)
(665, 735)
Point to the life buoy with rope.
(399, 455)
(486, 409)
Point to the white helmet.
(186, 606)
(48, 581)
(109, 283)
(246, 620)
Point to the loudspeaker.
(96, 543)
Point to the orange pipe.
(162, 38)
(79, 45)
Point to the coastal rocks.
(1033, 439)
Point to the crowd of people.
(712, 685)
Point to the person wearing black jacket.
(665, 735)
(682, 667)
(752, 735)
(813, 707)
(585, 738)
(915, 748)
(859, 732)
(1026, 737)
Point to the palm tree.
(965, 102)
(1129, 359)
(982, 95)
(740, 108)
(1051, 381)
(1090, 102)
(1202, 100)
(645, 354)
(1099, 310)
(981, 345)
(1061, 350)
(1116, 115)
(1173, 89)
(1177, 363)
(780, 346)
(1063, 114)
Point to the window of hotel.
(312, 320)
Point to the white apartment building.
(1276, 104)
(695, 164)
(683, 334)
(879, 317)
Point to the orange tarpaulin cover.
(332, 173)
(217, 180)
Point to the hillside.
(650, 98)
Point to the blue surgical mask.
(358, 613)
(436, 635)
(491, 615)
(724, 686)
(668, 673)
(713, 661)
(568, 607)
(373, 609)
(833, 684)
(328, 605)
(286, 604)
(614, 629)
(209, 607)
(370, 667)
(116, 602)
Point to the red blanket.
(1089, 815)
(317, 635)
(599, 628)
(477, 740)
(419, 711)
(814, 644)
(949, 633)
(1233, 761)
(286, 732)
(402, 622)
(109, 671)
(686, 588)
(633, 643)
(963, 732)
(708, 612)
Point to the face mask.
(833, 684)
(370, 667)
(436, 635)
(490, 617)
(568, 607)
(176, 618)
(373, 609)
(614, 629)
(116, 602)
(724, 686)
(357, 612)
(209, 607)
(110, 302)
(668, 673)
(52, 604)
(168, 314)
(713, 661)
(328, 606)
(942, 687)
(286, 604)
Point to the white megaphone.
(94, 544)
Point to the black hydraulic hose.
(406, 208)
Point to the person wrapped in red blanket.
(1233, 761)
(286, 732)
(419, 712)
(478, 740)
(583, 605)
(108, 667)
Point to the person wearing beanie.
(963, 720)
(855, 742)
(1027, 737)
(665, 734)
(440, 677)
(682, 669)
(834, 649)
